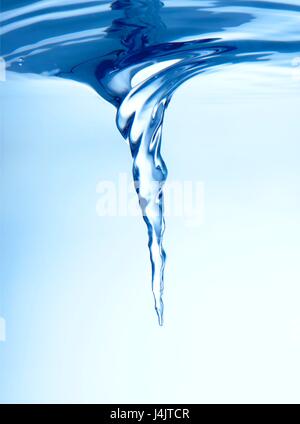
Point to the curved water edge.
(135, 54)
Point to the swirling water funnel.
(135, 53)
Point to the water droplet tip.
(160, 318)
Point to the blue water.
(135, 54)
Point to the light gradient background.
(75, 288)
